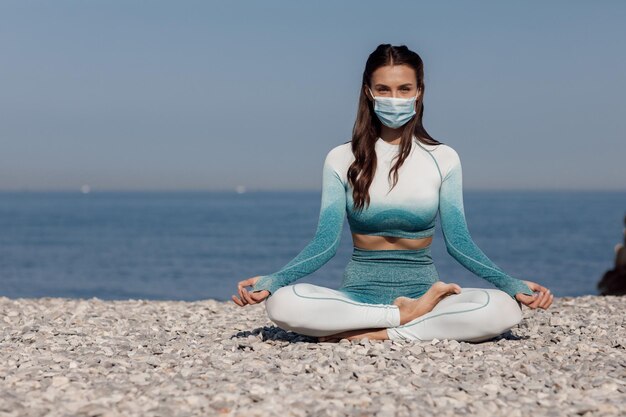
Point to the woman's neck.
(390, 135)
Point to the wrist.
(516, 287)
(266, 283)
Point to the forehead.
(393, 75)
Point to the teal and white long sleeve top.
(430, 181)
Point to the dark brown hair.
(367, 126)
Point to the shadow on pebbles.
(89, 357)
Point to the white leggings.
(474, 315)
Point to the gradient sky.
(128, 95)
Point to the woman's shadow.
(277, 334)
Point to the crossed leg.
(475, 314)
(314, 310)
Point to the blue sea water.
(198, 245)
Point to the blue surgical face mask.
(394, 111)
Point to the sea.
(195, 245)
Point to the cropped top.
(429, 182)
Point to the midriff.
(372, 242)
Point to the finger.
(247, 282)
(243, 298)
(237, 300)
(536, 301)
(547, 301)
(540, 300)
(252, 297)
(244, 283)
(257, 296)
(535, 304)
(249, 299)
(527, 300)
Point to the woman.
(392, 178)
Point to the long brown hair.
(367, 126)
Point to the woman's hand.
(541, 300)
(249, 297)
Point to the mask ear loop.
(373, 96)
(415, 100)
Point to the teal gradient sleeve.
(459, 243)
(324, 244)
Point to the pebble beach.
(90, 357)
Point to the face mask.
(392, 111)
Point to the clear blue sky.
(211, 95)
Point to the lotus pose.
(391, 179)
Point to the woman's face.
(394, 81)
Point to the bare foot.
(371, 334)
(412, 308)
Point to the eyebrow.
(403, 85)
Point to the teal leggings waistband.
(380, 276)
(420, 256)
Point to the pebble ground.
(89, 357)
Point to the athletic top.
(429, 181)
